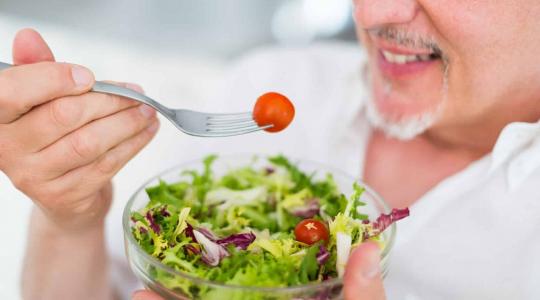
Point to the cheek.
(485, 42)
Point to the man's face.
(444, 64)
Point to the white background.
(175, 80)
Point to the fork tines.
(232, 124)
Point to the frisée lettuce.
(239, 228)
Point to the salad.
(266, 227)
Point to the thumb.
(145, 295)
(29, 47)
(363, 277)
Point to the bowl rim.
(197, 280)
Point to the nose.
(376, 13)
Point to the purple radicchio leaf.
(189, 232)
(164, 212)
(192, 248)
(212, 252)
(155, 226)
(322, 255)
(241, 240)
(385, 220)
(207, 233)
(307, 211)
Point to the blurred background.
(177, 49)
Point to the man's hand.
(362, 278)
(60, 144)
(145, 295)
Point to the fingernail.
(147, 111)
(154, 127)
(81, 76)
(135, 87)
(372, 265)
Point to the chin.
(401, 121)
(403, 111)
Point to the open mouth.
(402, 59)
(400, 63)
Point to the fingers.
(100, 171)
(145, 295)
(26, 86)
(29, 47)
(49, 122)
(362, 277)
(85, 145)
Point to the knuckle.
(113, 101)
(23, 181)
(107, 164)
(113, 104)
(82, 145)
(65, 112)
(136, 120)
(18, 181)
(27, 174)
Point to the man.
(449, 128)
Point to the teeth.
(403, 59)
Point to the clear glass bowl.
(170, 280)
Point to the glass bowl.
(169, 285)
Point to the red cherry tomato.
(310, 231)
(273, 109)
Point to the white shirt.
(473, 236)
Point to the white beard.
(403, 129)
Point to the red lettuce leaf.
(212, 252)
(241, 240)
(322, 255)
(385, 220)
(155, 226)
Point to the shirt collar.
(517, 152)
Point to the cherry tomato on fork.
(310, 231)
(273, 109)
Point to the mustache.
(406, 38)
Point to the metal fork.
(188, 121)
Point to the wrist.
(58, 253)
(52, 227)
(76, 217)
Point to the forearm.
(65, 265)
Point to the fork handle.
(108, 88)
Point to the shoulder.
(305, 74)
(328, 55)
